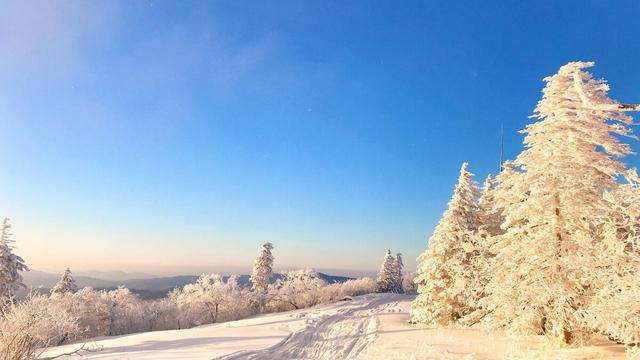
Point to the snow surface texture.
(368, 327)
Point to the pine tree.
(545, 257)
(66, 284)
(445, 268)
(489, 213)
(262, 269)
(399, 265)
(387, 275)
(10, 264)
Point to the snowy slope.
(368, 327)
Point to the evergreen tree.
(444, 270)
(489, 213)
(615, 305)
(10, 264)
(544, 260)
(66, 284)
(399, 265)
(262, 269)
(387, 275)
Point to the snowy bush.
(162, 314)
(295, 290)
(355, 287)
(34, 323)
(211, 300)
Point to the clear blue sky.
(178, 136)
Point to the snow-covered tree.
(489, 212)
(33, 324)
(544, 261)
(66, 284)
(398, 266)
(408, 284)
(125, 311)
(342, 290)
(210, 299)
(262, 268)
(11, 265)
(295, 290)
(614, 308)
(480, 265)
(445, 269)
(387, 277)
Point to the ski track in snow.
(342, 335)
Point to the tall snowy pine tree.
(387, 275)
(262, 269)
(10, 264)
(444, 270)
(541, 276)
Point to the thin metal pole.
(501, 145)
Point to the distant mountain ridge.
(147, 288)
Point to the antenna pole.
(501, 145)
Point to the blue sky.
(174, 137)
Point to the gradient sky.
(176, 137)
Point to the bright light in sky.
(176, 137)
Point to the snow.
(371, 326)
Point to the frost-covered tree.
(480, 265)
(125, 311)
(489, 212)
(210, 299)
(11, 265)
(262, 268)
(408, 284)
(445, 269)
(387, 277)
(398, 266)
(295, 290)
(614, 308)
(544, 262)
(33, 324)
(66, 284)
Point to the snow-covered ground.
(367, 327)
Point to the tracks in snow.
(342, 335)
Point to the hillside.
(367, 327)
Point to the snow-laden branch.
(586, 103)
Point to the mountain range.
(147, 288)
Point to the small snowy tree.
(262, 269)
(398, 266)
(387, 277)
(445, 269)
(66, 284)
(10, 264)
